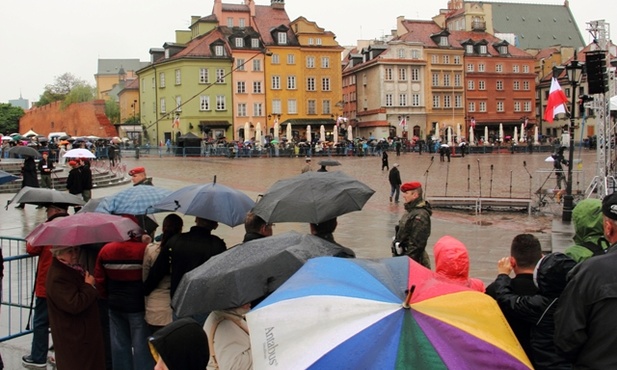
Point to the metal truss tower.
(604, 182)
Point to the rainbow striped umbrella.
(392, 313)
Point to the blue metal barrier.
(17, 288)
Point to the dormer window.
(482, 49)
(255, 43)
(443, 40)
(503, 49)
(239, 42)
(282, 38)
(219, 50)
(469, 49)
(166, 53)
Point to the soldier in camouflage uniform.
(414, 228)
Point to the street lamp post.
(574, 70)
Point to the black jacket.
(539, 309)
(585, 318)
(74, 182)
(395, 177)
(29, 175)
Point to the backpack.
(596, 248)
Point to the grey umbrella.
(329, 162)
(44, 196)
(248, 271)
(312, 197)
(24, 150)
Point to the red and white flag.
(556, 101)
(176, 122)
(403, 122)
(473, 123)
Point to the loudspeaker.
(597, 76)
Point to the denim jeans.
(395, 189)
(129, 341)
(40, 331)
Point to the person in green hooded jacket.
(588, 231)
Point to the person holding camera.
(414, 227)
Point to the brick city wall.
(80, 119)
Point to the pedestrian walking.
(414, 228)
(29, 176)
(394, 177)
(384, 160)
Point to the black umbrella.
(329, 162)
(312, 197)
(44, 196)
(24, 150)
(249, 271)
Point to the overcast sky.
(42, 39)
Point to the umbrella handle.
(407, 302)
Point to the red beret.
(410, 186)
(136, 170)
(72, 163)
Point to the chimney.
(277, 4)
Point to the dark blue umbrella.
(6, 177)
(211, 201)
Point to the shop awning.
(309, 121)
(214, 124)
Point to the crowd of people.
(559, 305)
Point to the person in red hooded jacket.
(452, 263)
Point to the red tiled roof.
(268, 18)
(200, 46)
(132, 84)
(235, 8)
(547, 52)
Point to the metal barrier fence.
(17, 289)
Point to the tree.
(60, 89)
(112, 111)
(9, 118)
(79, 94)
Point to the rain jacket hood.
(550, 274)
(587, 218)
(452, 263)
(183, 345)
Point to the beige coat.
(158, 303)
(229, 340)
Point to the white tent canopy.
(613, 104)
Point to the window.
(291, 82)
(241, 87)
(318, 41)
(220, 102)
(527, 106)
(276, 106)
(276, 82)
(241, 110)
(415, 54)
(446, 59)
(204, 102)
(516, 85)
(469, 49)
(415, 74)
(325, 105)
(471, 107)
(447, 103)
(515, 68)
(291, 59)
(482, 106)
(499, 106)
(446, 79)
(162, 79)
(258, 110)
(483, 49)
(230, 22)
(434, 59)
(402, 74)
(163, 106)
(256, 65)
(241, 23)
(389, 100)
(401, 53)
(219, 50)
(503, 49)
(203, 76)
(481, 67)
(178, 77)
(525, 69)
(388, 74)
(311, 107)
(499, 68)
(325, 62)
(402, 100)
(256, 87)
(443, 41)
(517, 106)
(275, 59)
(457, 80)
(526, 85)
(310, 83)
(470, 85)
(458, 101)
(469, 67)
(282, 38)
(499, 85)
(178, 103)
(436, 101)
(220, 76)
(457, 59)
(311, 41)
(415, 100)
(325, 84)
(481, 85)
(435, 79)
(310, 62)
(292, 106)
(240, 64)
(255, 43)
(239, 42)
